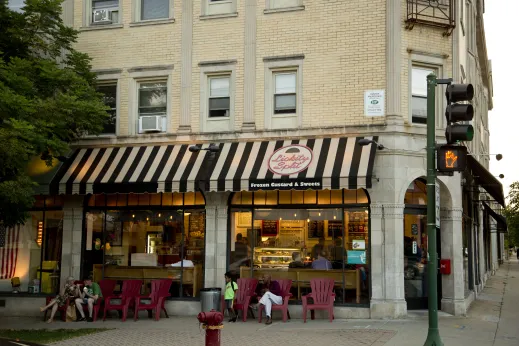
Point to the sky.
(501, 32)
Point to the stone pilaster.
(390, 299)
(72, 238)
(186, 66)
(393, 61)
(249, 83)
(453, 289)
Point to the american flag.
(8, 251)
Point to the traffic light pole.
(433, 334)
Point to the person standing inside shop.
(318, 248)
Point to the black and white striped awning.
(316, 163)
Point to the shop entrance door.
(415, 259)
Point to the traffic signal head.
(456, 112)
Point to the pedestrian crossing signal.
(451, 158)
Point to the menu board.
(335, 229)
(316, 229)
(269, 228)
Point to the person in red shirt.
(272, 295)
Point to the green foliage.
(47, 97)
(512, 214)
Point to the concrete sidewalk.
(492, 320)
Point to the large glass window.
(146, 237)
(326, 239)
(30, 254)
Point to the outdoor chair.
(322, 296)
(285, 286)
(246, 290)
(61, 309)
(131, 289)
(157, 298)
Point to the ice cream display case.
(273, 257)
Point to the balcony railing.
(437, 13)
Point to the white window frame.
(436, 63)
(273, 6)
(218, 8)
(151, 74)
(207, 71)
(137, 14)
(283, 121)
(87, 17)
(110, 77)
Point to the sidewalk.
(491, 321)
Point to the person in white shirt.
(184, 263)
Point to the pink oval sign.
(290, 159)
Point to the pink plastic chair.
(107, 289)
(285, 286)
(322, 296)
(131, 290)
(246, 290)
(159, 292)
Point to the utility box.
(445, 266)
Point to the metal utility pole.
(433, 334)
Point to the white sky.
(502, 36)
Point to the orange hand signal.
(450, 159)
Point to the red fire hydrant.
(212, 323)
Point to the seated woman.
(69, 290)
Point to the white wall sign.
(415, 247)
(374, 103)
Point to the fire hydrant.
(212, 323)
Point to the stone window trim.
(137, 12)
(277, 6)
(210, 69)
(110, 77)
(434, 61)
(282, 64)
(87, 18)
(144, 74)
(213, 9)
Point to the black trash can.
(210, 298)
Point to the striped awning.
(316, 163)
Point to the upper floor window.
(110, 99)
(419, 94)
(105, 12)
(285, 92)
(154, 9)
(284, 4)
(219, 96)
(152, 106)
(218, 7)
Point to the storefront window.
(30, 254)
(326, 240)
(146, 242)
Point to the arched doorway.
(416, 247)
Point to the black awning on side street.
(500, 219)
(486, 180)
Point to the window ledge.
(219, 119)
(153, 22)
(101, 27)
(217, 16)
(101, 135)
(284, 9)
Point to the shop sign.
(286, 184)
(356, 257)
(358, 244)
(290, 159)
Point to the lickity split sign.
(287, 165)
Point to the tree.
(512, 214)
(47, 98)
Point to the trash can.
(210, 298)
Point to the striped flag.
(8, 250)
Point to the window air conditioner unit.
(150, 123)
(102, 16)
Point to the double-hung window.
(105, 12)
(219, 7)
(219, 96)
(419, 94)
(154, 9)
(285, 96)
(152, 106)
(109, 92)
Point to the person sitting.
(322, 262)
(184, 263)
(272, 295)
(296, 261)
(91, 293)
(69, 290)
